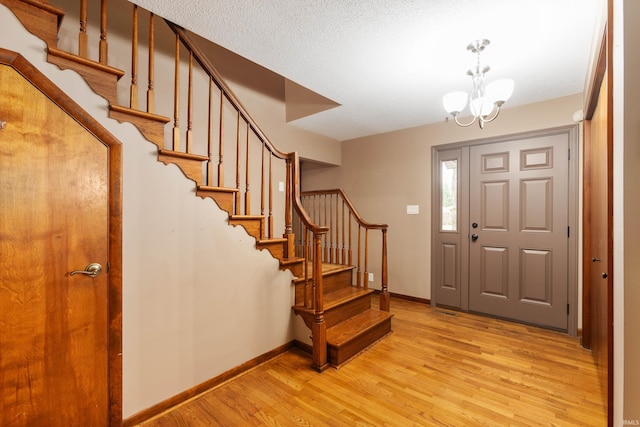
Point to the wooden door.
(598, 242)
(518, 253)
(54, 219)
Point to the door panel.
(54, 213)
(518, 254)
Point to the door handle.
(91, 270)
(594, 259)
(474, 237)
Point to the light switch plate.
(281, 186)
(413, 209)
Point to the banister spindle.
(270, 222)
(103, 53)
(247, 192)
(189, 142)
(82, 36)
(358, 272)
(384, 291)
(238, 117)
(262, 183)
(365, 277)
(350, 248)
(209, 135)
(327, 236)
(221, 146)
(176, 99)
(342, 247)
(133, 90)
(150, 91)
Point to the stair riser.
(333, 282)
(347, 310)
(339, 355)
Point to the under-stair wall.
(184, 268)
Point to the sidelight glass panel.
(449, 195)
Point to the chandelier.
(484, 102)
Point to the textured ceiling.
(387, 63)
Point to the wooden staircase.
(330, 296)
(352, 324)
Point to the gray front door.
(519, 230)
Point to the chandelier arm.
(455, 118)
(495, 116)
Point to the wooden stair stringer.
(40, 19)
(253, 224)
(224, 197)
(150, 125)
(102, 79)
(189, 164)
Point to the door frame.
(114, 266)
(573, 133)
(601, 67)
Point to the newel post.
(384, 292)
(319, 327)
(288, 206)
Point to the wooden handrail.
(336, 249)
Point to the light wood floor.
(434, 369)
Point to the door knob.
(91, 270)
(605, 275)
(594, 259)
(474, 237)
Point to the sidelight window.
(449, 195)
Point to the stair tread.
(85, 61)
(246, 217)
(347, 330)
(214, 189)
(183, 155)
(275, 240)
(139, 113)
(327, 269)
(338, 297)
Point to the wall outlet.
(371, 277)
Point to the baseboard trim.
(199, 389)
(410, 298)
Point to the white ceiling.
(389, 62)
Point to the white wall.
(191, 307)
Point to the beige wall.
(186, 285)
(384, 173)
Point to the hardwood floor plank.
(435, 369)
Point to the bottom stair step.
(348, 338)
